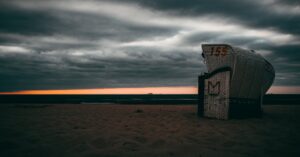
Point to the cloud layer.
(69, 44)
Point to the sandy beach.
(92, 130)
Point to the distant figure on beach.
(235, 84)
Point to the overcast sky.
(67, 44)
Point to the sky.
(96, 44)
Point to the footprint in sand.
(81, 147)
(158, 143)
(229, 144)
(99, 143)
(140, 139)
(78, 127)
(8, 145)
(130, 146)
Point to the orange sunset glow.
(144, 90)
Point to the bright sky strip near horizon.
(144, 90)
(96, 44)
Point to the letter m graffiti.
(214, 89)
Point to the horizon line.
(139, 90)
(131, 90)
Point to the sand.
(144, 130)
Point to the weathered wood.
(201, 86)
(239, 89)
(216, 96)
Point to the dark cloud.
(31, 22)
(137, 43)
(285, 60)
(249, 12)
(65, 71)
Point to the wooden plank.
(251, 76)
(216, 96)
(257, 81)
(248, 78)
(236, 80)
(201, 85)
(217, 56)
